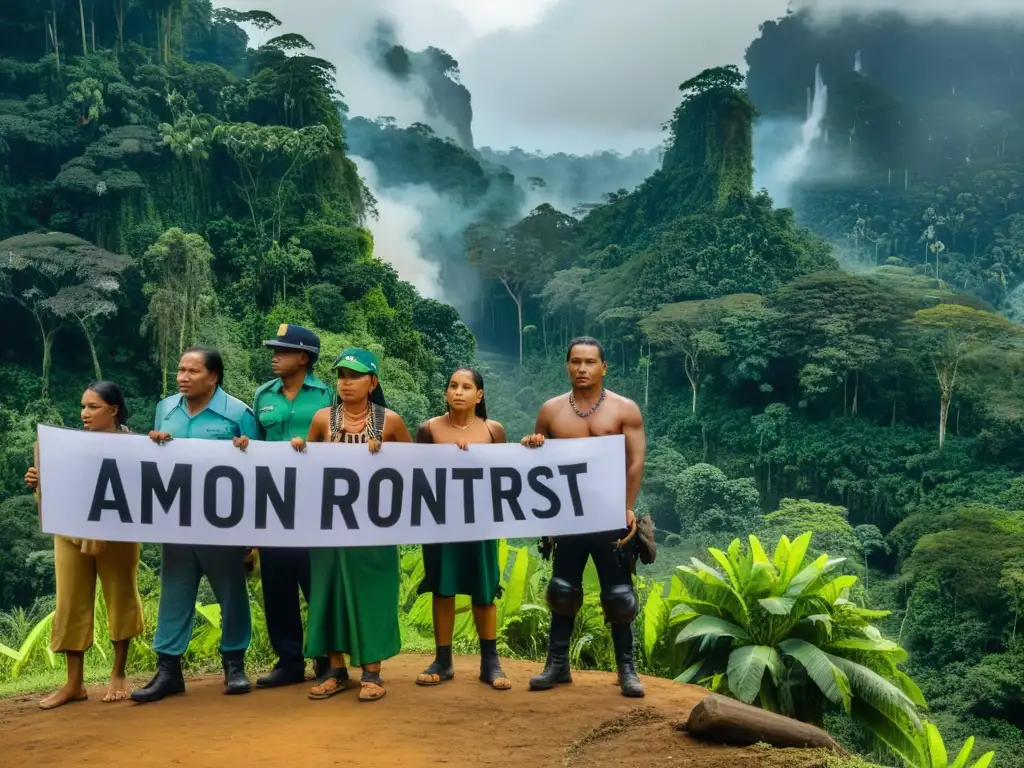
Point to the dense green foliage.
(155, 194)
(162, 184)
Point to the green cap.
(359, 360)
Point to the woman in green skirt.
(353, 600)
(463, 568)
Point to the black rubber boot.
(235, 680)
(168, 681)
(556, 668)
(283, 674)
(629, 681)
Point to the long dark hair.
(111, 394)
(211, 359)
(478, 381)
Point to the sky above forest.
(560, 75)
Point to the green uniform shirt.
(282, 419)
(223, 418)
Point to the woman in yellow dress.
(78, 562)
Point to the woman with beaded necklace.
(463, 568)
(353, 601)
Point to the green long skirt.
(462, 568)
(353, 603)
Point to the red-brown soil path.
(460, 723)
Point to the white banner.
(116, 487)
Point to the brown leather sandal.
(334, 682)
(371, 687)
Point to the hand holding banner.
(127, 488)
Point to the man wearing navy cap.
(284, 408)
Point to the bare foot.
(117, 690)
(67, 694)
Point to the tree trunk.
(943, 416)
(722, 720)
(647, 377)
(92, 350)
(119, 13)
(519, 315)
(692, 369)
(81, 16)
(47, 361)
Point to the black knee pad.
(563, 598)
(620, 604)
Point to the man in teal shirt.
(203, 410)
(284, 408)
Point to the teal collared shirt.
(223, 418)
(282, 419)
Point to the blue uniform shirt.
(223, 418)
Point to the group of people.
(352, 594)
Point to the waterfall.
(858, 67)
(793, 164)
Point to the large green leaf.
(805, 578)
(690, 672)
(700, 587)
(760, 557)
(878, 693)
(965, 752)
(899, 735)
(655, 620)
(37, 635)
(746, 670)
(741, 563)
(935, 749)
(778, 606)
(829, 678)
(700, 566)
(794, 558)
(515, 586)
(909, 687)
(833, 590)
(723, 560)
(897, 653)
(708, 629)
(781, 557)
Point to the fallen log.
(727, 721)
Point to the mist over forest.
(804, 257)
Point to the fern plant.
(933, 752)
(783, 633)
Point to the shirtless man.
(590, 410)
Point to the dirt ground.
(460, 723)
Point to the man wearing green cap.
(354, 603)
(284, 408)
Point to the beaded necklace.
(581, 414)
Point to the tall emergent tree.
(58, 278)
(179, 284)
(954, 335)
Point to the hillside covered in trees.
(162, 183)
(879, 407)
